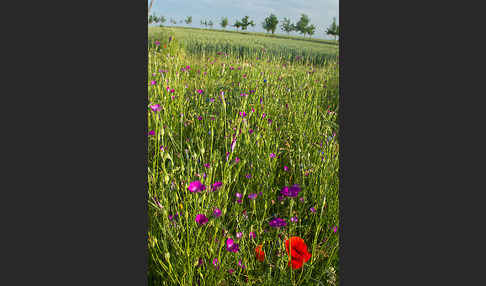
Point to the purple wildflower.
(239, 201)
(155, 107)
(286, 168)
(216, 263)
(151, 132)
(251, 131)
(199, 91)
(248, 176)
(294, 219)
(252, 234)
(241, 264)
(272, 155)
(231, 246)
(334, 229)
(207, 165)
(237, 160)
(292, 191)
(201, 219)
(238, 195)
(231, 271)
(217, 212)
(196, 186)
(239, 235)
(277, 222)
(312, 209)
(252, 196)
(199, 118)
(153, 82)
(157, 42)
(264, 115)
(216, 185)
(242, 114)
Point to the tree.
(172, 21)
(210, 24)
(162, 20)
(333, 30)
(270, 23)
(244, 23)
(301, 26)
(224, 22)
(287, 26)
(205, 23)
(188, 20)
(237, 24)
(311, 30)
(151, 19)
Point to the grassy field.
(244, 126)
(251, 45)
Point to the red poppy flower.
(298, 253)
(260, 255)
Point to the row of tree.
(270, 23)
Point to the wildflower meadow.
(243, 166)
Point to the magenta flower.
(157, 42)
(251, 131)
(237, 160)
(286, 168)
(248, 176)
(302, 199)
(155, 107)
(153, 82)
(201, 219)
(334, 229)
(272, 155)
(292, 191)
(238, 195)
(312, 209)
(239, 201)
(200, 91)
(216, 185)
(277, 222)
(252, 234)
(207, 165)
(252, 196)
(196, 186)
(172, 90)
(217, 212)
(231, 271)
(239, 235)
(231, 246)
(241, 264)
(242, 114)
(264, 115)
(199, 118)
(294, 219)
(216, 263)
(151, 133)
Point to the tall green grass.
(196, 129)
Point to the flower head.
(231, 246)
(277, 222)
(252, 234)
(239, 195)
(240, 264)
(252, 196)
(297, 251)
(216, 263)
(260, 254)
(196, 186)
(201, 219)
(272, 155)
(292, 191)
(217, 212)
(153, 82)
(294, 219)
(286, 168)
(151, 133)
(239, 235)
(216, 185)
(335, 229)
(312, 209)
(155, 107)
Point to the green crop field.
(248, 45)
(243, 157)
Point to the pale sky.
(320, 12)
